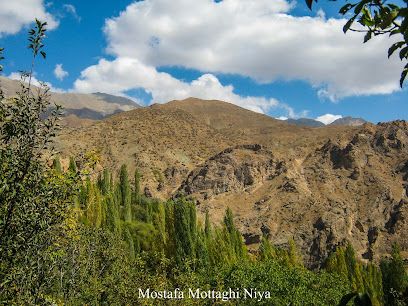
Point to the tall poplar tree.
(125, 193)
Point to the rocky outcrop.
(348, 190)
(368, 175)
(236, 169)
(349, 121)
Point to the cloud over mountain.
(256, 39)
(125, 73)
(328, 118)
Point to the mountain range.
(349, 121)
(322, 187)
(94, 106)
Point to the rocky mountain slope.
(353, 191)
(82, 106)
(322, 187)
(164, 144)
(305, 122)
(350, 121)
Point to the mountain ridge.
(287, 181)
(345, 121)
(348, 120)
(305, 122)
(94, 106)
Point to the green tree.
(94, 211)
(137, 193)
(354, 270)
(207, 225)
(104, 182)
(395, 278)
(295, 259)
(36, 38)
(233, 235)
(72, 165)
(184, 229)
(170, 230)
(287, 285)
(266, 250)
(112, 215)
(34, 202)
(129, 239)
(125, 193)
(363, 279)
(56, 164)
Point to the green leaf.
(346, 8)
(309, 4)
(394, 47)
(403, 75)
(367, 37)
(348, 24)
(397, 31)
(388, 19)
(404, 53)
(359, 7)
(404, 25)
(393, 6)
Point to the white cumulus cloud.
(256, 39)
(14, 15)
(124, 73)
(59, 72)
(259, 39)
(328, 118)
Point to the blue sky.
(263, 55)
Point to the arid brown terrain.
(321, 186)
(91, 107)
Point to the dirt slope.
(84, 106)
(321, 186)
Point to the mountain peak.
(305, 122)
(116, 99)
(349, 121)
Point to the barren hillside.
(94, 106)
(322, 186)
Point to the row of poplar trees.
(149, 226)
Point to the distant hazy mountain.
(349, 121)
(94, 106)
(115, 99)
(305, 122)
(345, 121)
